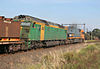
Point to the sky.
(58, 11)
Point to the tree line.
(93, 35)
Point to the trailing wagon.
(9, 34)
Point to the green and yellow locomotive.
(40, 33)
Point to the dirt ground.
(21, 59)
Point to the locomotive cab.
(30, 31)
(25, 28)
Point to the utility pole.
(91, 35)
(84, 27)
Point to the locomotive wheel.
(10, 49)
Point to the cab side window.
(34, 24)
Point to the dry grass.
(87, 58)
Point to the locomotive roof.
(30, 18)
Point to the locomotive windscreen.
(25, 24)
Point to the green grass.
(87, 58)
(90, 40)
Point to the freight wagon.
(9, 34)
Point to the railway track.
(5, 54)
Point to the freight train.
(25, 32)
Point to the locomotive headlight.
(70, 34)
